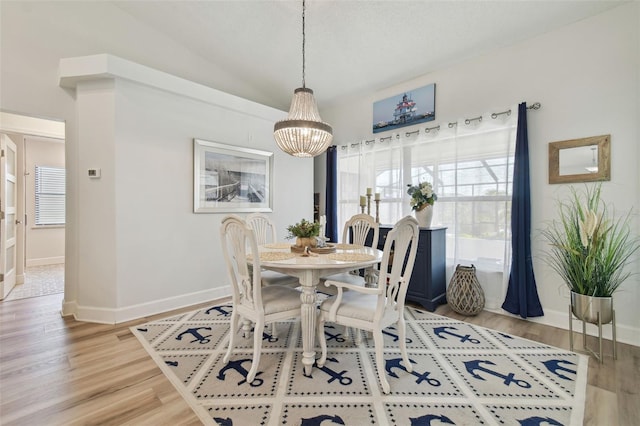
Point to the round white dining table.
(309, 269)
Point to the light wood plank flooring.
(58, 371)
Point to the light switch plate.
(93, 173)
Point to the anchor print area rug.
(462, 375)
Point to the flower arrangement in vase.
(422, 201)
(305, 233)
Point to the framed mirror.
(580, 160)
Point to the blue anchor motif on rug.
(444, 330)
(553, 365)
(333, 375)
(473, 366)
(394, 363)
(537, 421)
(195, 332)
(223, 422)
(237, 366)
(171, 363)
(269, 338)
(337, 337)
(223, 310)
(428, 418)
(395, 336)
(318, 420)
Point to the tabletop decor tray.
(330, 248)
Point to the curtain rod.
(534, 106)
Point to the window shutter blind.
(50, 195)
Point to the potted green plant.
(305, 233)
(589, 250)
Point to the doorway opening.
(32, 234)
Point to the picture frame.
(405, 109)
(231, 179)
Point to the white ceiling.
(352, 47)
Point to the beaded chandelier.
(303, 133)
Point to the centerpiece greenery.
(590, 249)
(421, 195)
(305, 233)
(303, 229)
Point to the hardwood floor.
(58, 371)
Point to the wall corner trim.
(72, 71)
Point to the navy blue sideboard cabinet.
(428, 282)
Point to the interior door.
(8, 219)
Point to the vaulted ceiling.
(353, 47)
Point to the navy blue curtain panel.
(522, 295)
(331, 191)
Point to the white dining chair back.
(265, 232)
(252, 302)
(263, 227)
(358, 226)
(374, 309)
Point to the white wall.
(44, 245)
(100, 284)
(143, 249)
(587, 78)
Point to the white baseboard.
(68, 308)
(119, 315)
(624, 333)
(44, 261)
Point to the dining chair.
(265, 232)
(252, 302)
(355, 232)
(374, 309)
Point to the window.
(50, 195)
(470, 165)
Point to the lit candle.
(377, 196)
(369, 191)
(363, 201)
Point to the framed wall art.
(228, 178)
(405, 109)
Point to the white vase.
(424, 216)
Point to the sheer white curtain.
(376, 164)
(470, 164)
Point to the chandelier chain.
(303, 43)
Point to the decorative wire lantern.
(303, 133)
